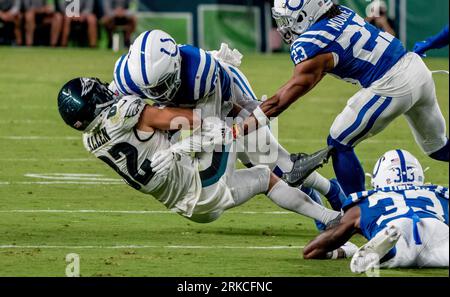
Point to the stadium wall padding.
(244, 23)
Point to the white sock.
(318, 182)
(295, 200)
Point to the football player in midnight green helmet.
(189, 177)
(81, 101)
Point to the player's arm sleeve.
(440, 40)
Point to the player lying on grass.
(133, 138)
(159, 69)
(405, 221)
(329, 39)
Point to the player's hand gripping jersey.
(117, 142)
(362, 53)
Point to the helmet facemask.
(285, 24)
(166, 87)
(294, 21)
(102, 98)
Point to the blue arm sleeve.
(440, 40)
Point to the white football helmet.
(154, 63)
(294, 17)
(397, 168)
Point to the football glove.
(162, 162)
(421, 48)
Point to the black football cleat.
(305, 164)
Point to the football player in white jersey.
(132, 137)
(405, 221)
(170, 74)
(329, 39)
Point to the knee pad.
(338, 146)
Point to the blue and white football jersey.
(379, 207)
(363, 54)
(200, 74)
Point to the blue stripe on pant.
(358, 120)
(371, 121)
(347, 167)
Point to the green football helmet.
(81, 101)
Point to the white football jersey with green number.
(128, 151)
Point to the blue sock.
(348, 169)
(336, 195)
(443, 154)
(316, 197)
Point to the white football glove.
(162, 162)
(216, 132)
(225, 54)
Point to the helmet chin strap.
(101, 106)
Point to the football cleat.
(370, 254)
(305, 164)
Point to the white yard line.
(193, 247)
(19, 138)
(50, 183)
(26, 122)
(69, 183)
(282, 140)
(144, 212)
(47, 160)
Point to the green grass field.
(42, 220)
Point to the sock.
(295, 200)
(247, 183)
(443, 154)
(315, 196)
(319, 183)
(328, 188)
(348, 169)
(336, 195)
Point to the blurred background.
(244, 24)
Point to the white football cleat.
(370, 254)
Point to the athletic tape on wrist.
(261, 117)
